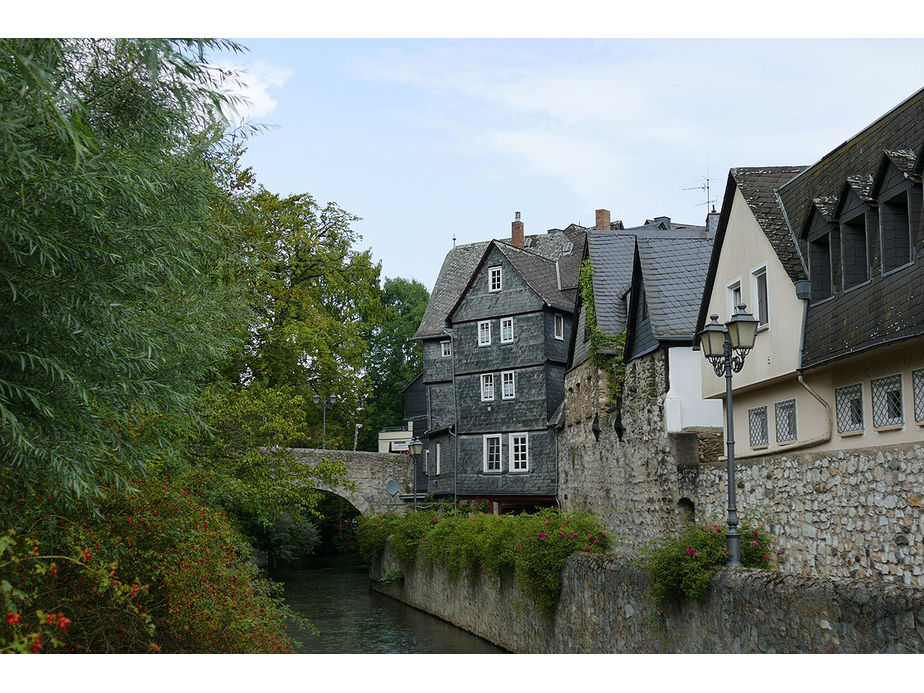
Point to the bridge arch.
(369, 472)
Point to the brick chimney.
(603, 220)
(516, 233)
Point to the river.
(334, 595)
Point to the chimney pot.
(603, 220)
(517, 238)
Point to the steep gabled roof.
(758, 187)
(535, 263)
(674, 272)
(453, 278)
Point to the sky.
(427, 140)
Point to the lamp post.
(322, 402)
(725, 347)
(415, 447)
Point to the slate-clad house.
(495, 339)
(828, 258)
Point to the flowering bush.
(530, 548)
(153, 570)
(683, 566)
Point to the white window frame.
(519, 465)
(487, 381)
(482, 324)
(438, 458)
(426, 462)
(730, 289)
(503, 338)
(756, 274)
(495, 279)
(559, 326)
(499, 461)
(446, 346)
(513, 385)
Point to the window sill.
(851, 434)
(491, 472)
(784, 443)
(886, 429)
(760, 447)
(763, 328)
(518, 471)
(886, 273)
(821, 301)
(848, 289)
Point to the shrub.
(530, 548)
(682, 566)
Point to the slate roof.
(535, 263)
(674, 270)
(611, 255)
(891, 135)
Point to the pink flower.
(596, 541)
(689, 550)
(574, 536)
(695, 555)
(542, 535)
(753, 543)
(423, 534)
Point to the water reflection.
(336, 598)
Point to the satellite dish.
(392, 487)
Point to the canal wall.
(604, 608)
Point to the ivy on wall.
(607, 350)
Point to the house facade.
(829, 406)
(495, 339)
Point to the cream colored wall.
(776, 352)
(903, 358)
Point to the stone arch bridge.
(369, 472)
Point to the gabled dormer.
(898, 191)
(857, 221)
(822, 238)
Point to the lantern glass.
(415, 446)
(742, 329)
(712, 339)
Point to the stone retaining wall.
(604, 608)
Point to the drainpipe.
(802, 293)
(455, 427)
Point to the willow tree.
(120, 287)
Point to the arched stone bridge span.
(369, 472)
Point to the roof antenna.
(709, 198)
(453, 241)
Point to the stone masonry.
(604, 608)
(846, 514)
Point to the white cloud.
(253, 86)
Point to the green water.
(336, 598)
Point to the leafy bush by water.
(531, 548)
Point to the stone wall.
(846, 514)
(604, 608)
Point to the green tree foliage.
(316, 300)
(119, 284)
(394, 357)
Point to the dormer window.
(895, 232)
(820, 266)
(495, 279)
(446, 347)
(854, 251)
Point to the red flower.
(63, 621)
(12, 618)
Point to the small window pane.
(519, 452)
(492, 453)
(508, 390)
(917, 380)
(896, 232)
(887, 401)
(447, 348)
(487, 387)
(559, 327)
(494, 279)
(849, 403)
(757, 424)
(820, 267)
(763, 313)
(853, 239)
(507, 330)
(785, 420)
(484, 333)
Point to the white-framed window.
(758, 427)
(495, 279)
(492, 453)
(438, 458)
(506, 327)
(426, 462)
(446, 346)
(508, 385)
(785, 413)
(519, 452)
(484, 333)
(849, 404)
(487, 387)
(559, 326)
(887, 401)
(733, 296)
(760, 304)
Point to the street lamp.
(718, 343)
(415, 447)
(322, 402)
